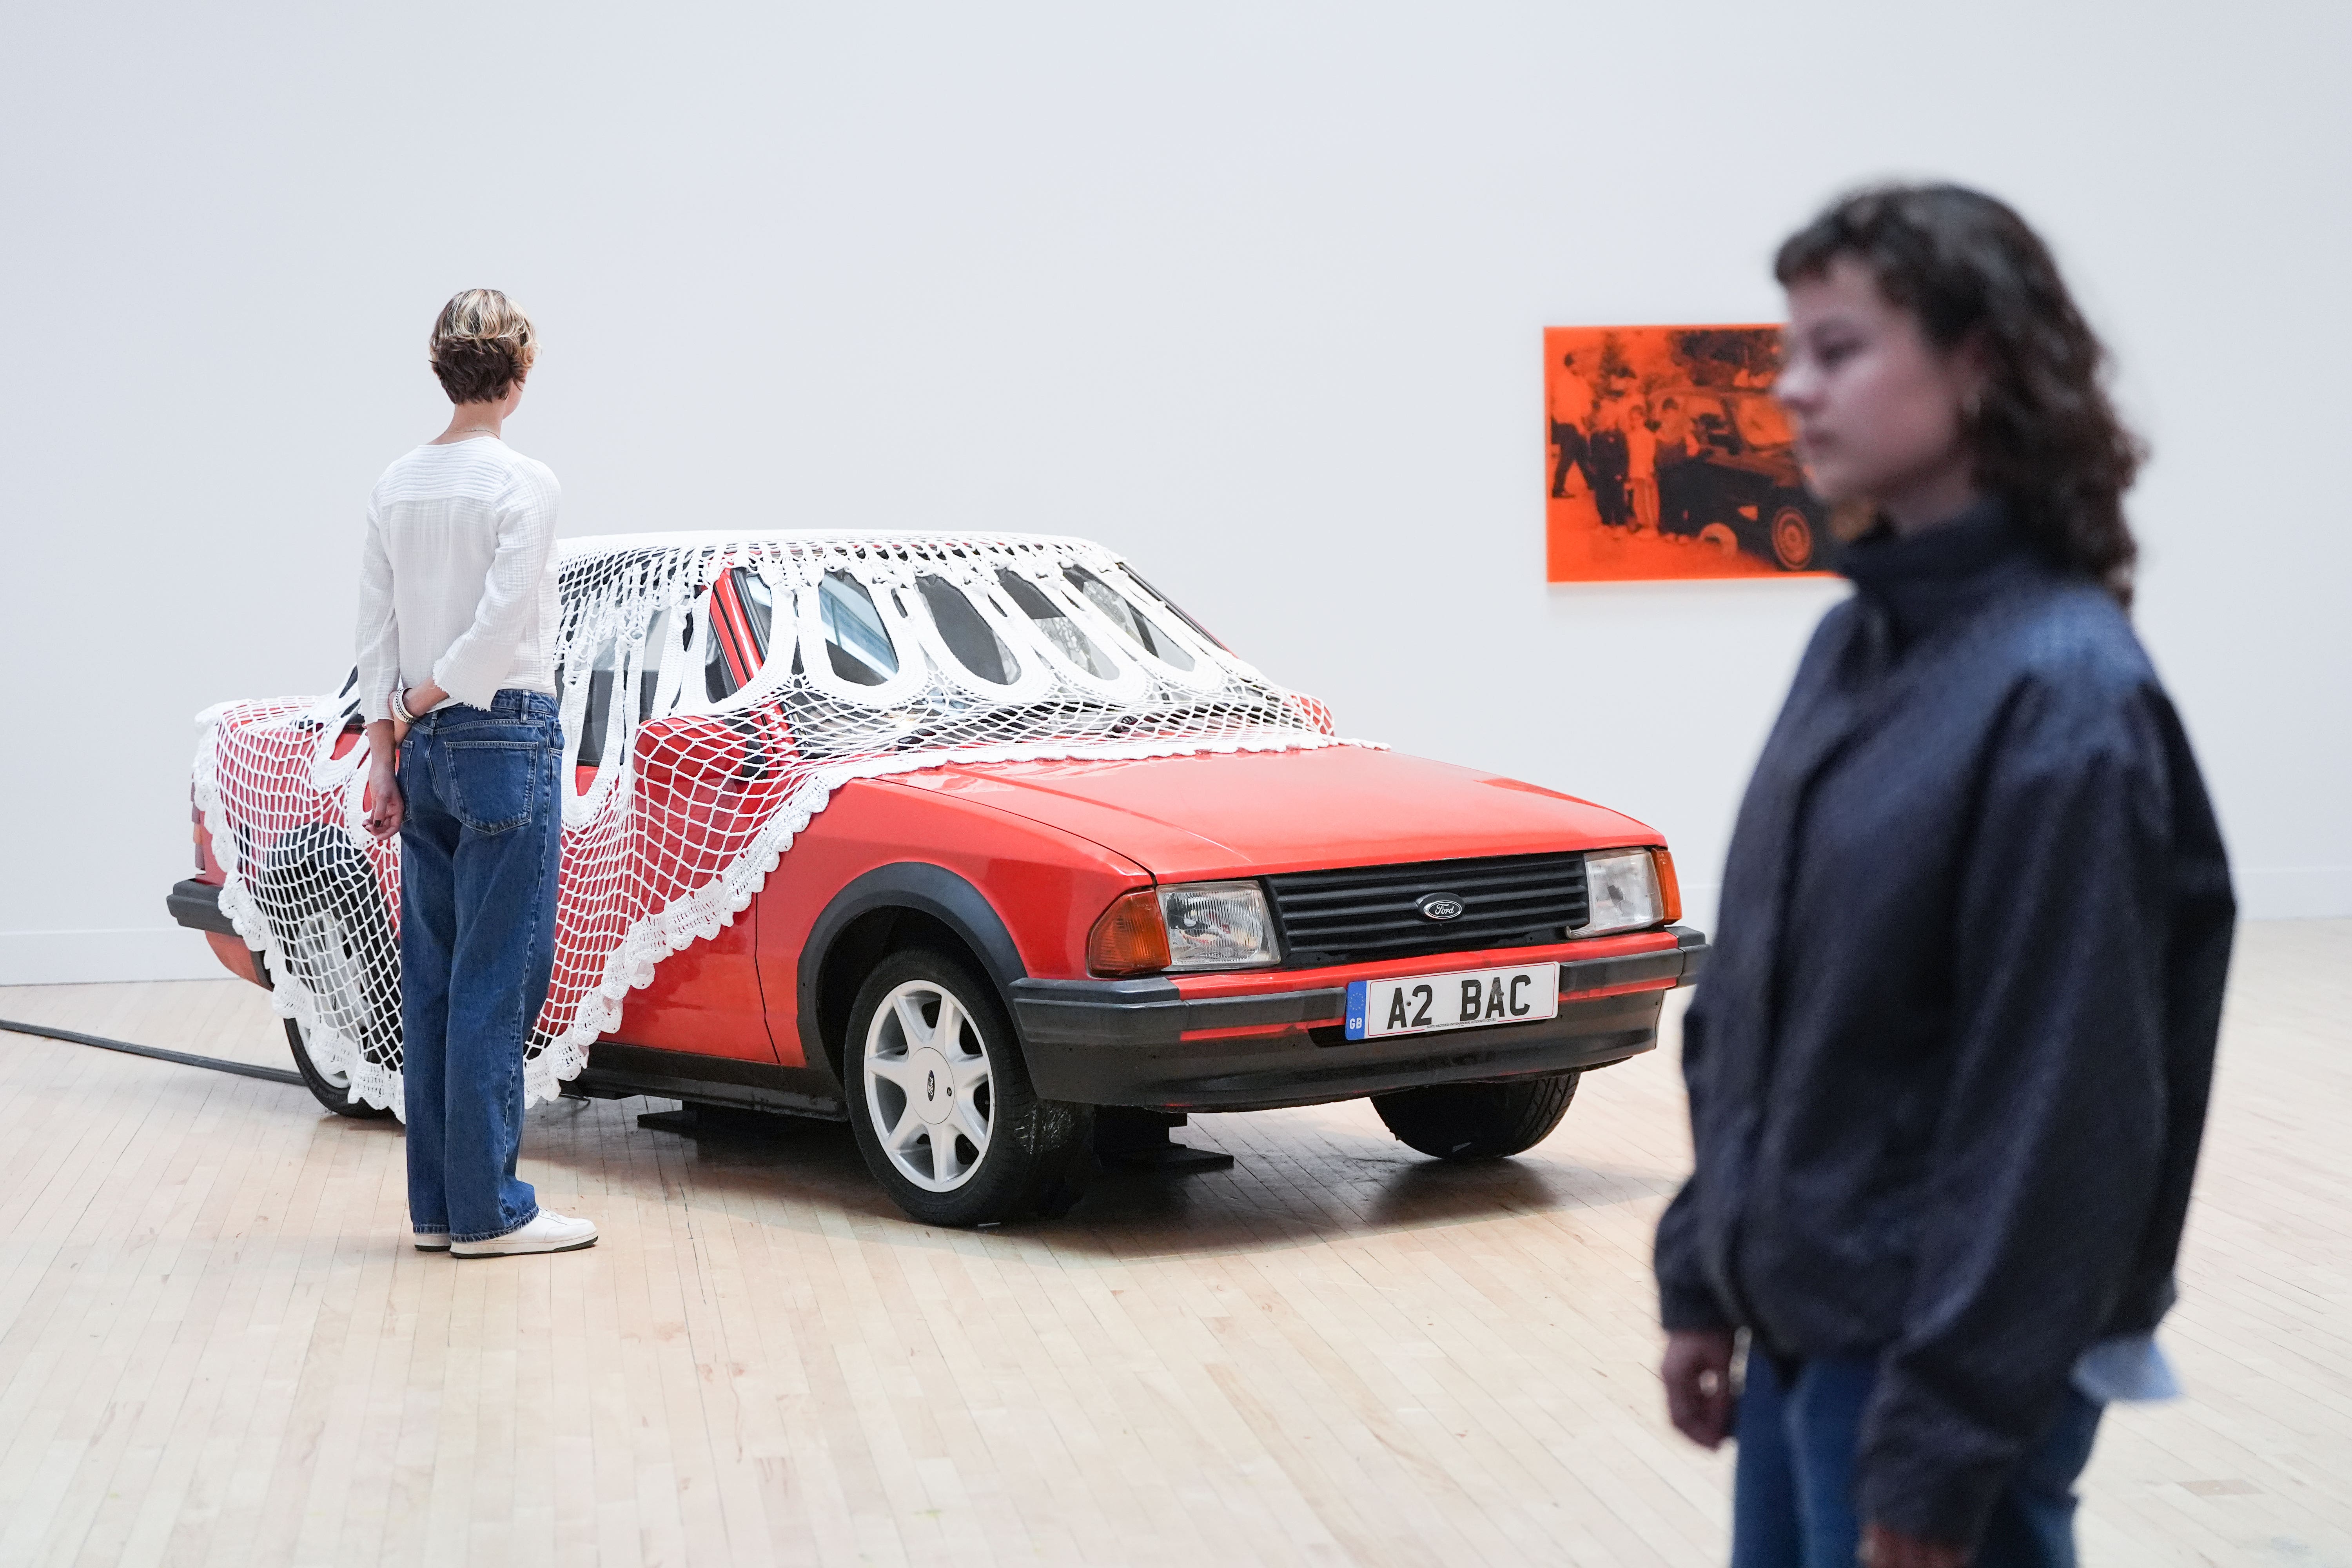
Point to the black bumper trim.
(1695, 953)
(1141, 1012)
(1129, 1012)
(1681, 965)
(196, 905)
(1121, 1042)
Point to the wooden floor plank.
(217, 1346)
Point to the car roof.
(813, 539)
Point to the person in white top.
(457, 629)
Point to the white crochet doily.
(884, 654)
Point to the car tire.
(331, 1091)
(943, 1110)
(1478, 1120)
(1792, 538)
(334, 935)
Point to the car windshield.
(1123, 613)
(855, 640)
(1055, 622)
(969, 636)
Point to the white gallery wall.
(1252, 292)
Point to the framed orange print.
(1665, 456)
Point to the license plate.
(1465, 999)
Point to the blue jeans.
(478, 851)
(1793, 1497)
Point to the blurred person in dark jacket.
(1948, 1072)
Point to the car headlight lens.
(1622, 890)
(1130, 938)
(1217, 925)
(1192, 925)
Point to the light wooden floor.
(216, 1346)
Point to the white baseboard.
(82, 957)
(2293, 892)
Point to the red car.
(1050, 897)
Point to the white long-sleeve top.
(457, 576)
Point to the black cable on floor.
(217, 1064)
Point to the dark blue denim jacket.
(1949, 1068)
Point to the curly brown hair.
(2046, 437)
(482, 344)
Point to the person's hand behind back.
(385, 807)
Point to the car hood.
(1257, 813)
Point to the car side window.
(667, 635)
(665, 638)
(589, 752)
(967, 633)
(1060, 630)
(855, 640)
(740, 611)
(1127, 619)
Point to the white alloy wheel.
(333, 1078)
(336, 973)
(928, 1085)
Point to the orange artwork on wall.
(1666, 457)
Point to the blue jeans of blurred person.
(1792, 1496)
(480, 847)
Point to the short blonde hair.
(481, 345)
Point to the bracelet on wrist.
(400, 706)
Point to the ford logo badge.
(1441, 907)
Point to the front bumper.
(1143, 1043)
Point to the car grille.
(1363, 912)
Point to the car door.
(704, 781)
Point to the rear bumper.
(1141, 1042)
(196, 905)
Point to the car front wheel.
(941, 1104)
(1478, 1120)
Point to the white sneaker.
(550, 1232)
(430, 1240)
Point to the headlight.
(1217, 925)
(1192, 925)
(1621, 888)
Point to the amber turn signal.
(1129, 939)
(1670, 891)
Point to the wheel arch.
(876, 914)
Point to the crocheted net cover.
(715, 692)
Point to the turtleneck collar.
(1930, 579)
